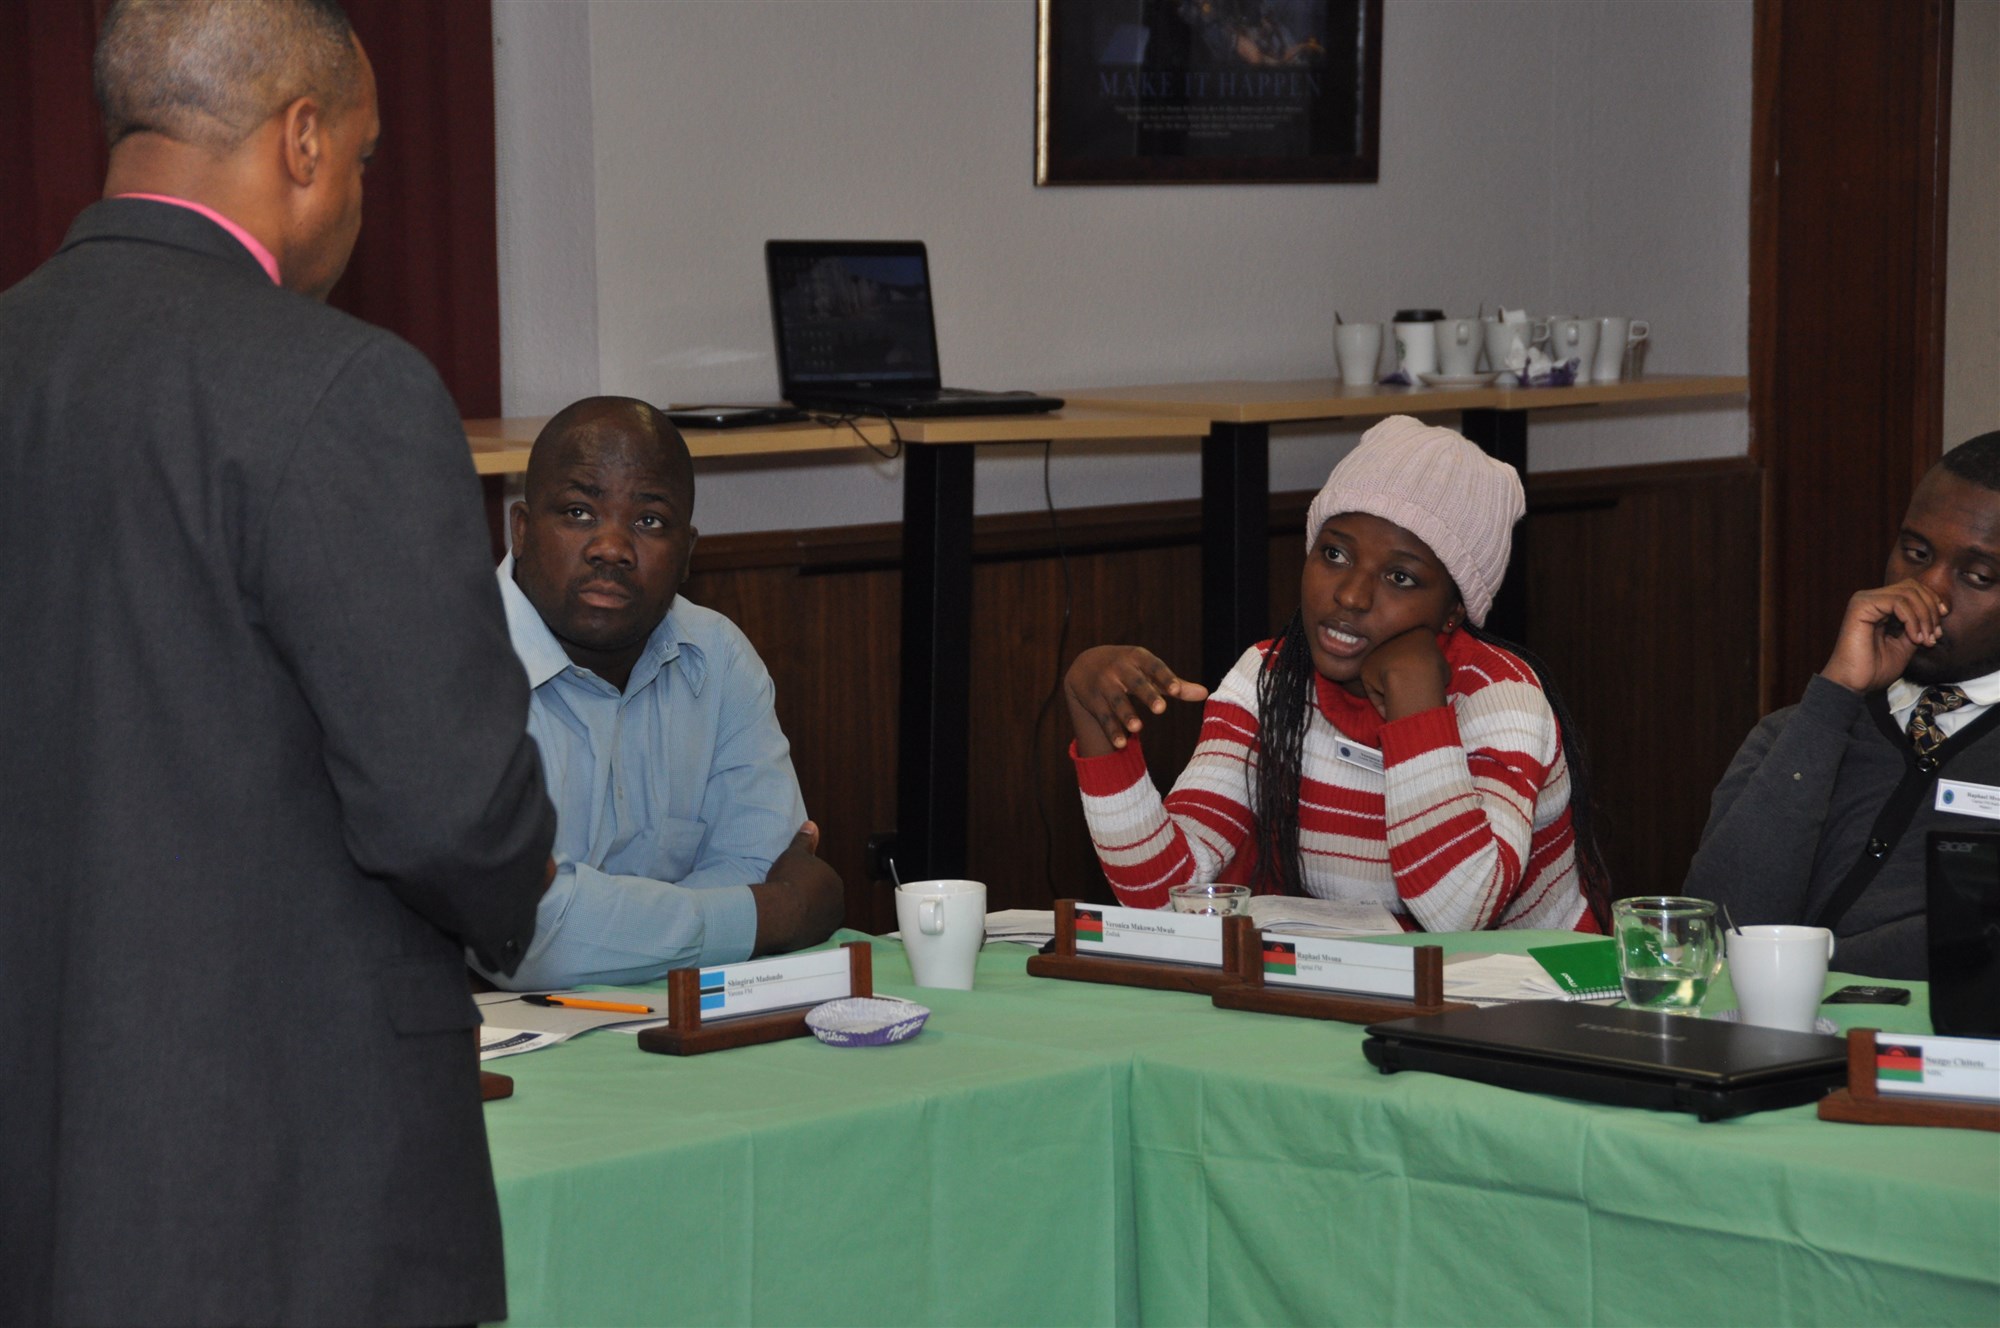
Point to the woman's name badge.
(1955, 795)
(1353, 753)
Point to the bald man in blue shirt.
(681, 836)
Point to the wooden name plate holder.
(684, 1033)
(1863, 1103)
(493, 1087)
(1248, 990)
(1127, 970)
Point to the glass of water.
(1223, 900)
(1666, 951)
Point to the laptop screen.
(852, 315)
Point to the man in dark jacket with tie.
(263, 762)
(1822, 817)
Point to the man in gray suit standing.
(263, 763)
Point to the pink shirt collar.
(243, 237)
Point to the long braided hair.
(1286, 695)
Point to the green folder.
(1585, 970)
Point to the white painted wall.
(547, 221)
(1972, 243)
(1589, 155)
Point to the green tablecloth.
(1052, 1152)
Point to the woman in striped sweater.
(1381, 748)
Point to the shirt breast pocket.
(678, 847)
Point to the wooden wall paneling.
(1849, 154)
(1644, 596)
(1147, 596)
(829, 639)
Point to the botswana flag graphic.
(1281, 957)
(713, 991)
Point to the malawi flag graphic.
(1281, 957)
(1895, 1060)
(1090, 926)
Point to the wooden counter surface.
(500, 446)
(1253, 401)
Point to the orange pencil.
(579, 1003)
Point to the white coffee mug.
(1779, 974)
(1358, 347)
(1458, 346)
(1416, 348)
(943, 925)
(1615, 339)
(1574, 339)
(1503, 339)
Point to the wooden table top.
(500, 446)
(1252, 401)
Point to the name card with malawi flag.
(1136, 947)
(1317, 977)
(1937, 1066)
(1330, 965)
(1139, 933)
(1918, 1079)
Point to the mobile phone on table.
(730, 417)
(1869, 996)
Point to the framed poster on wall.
(1208, 91)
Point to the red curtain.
(51, 143)
(425, 267)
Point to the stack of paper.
(510, 1026)
(1494, 979)
(1025, 926)
(1289, 915)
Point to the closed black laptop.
(1630, 1058)
(855, 332)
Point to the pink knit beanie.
(1440, 488)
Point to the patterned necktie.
(1925, 735)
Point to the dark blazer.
(1797, 810)
(263, 771)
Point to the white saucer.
(1457, 380)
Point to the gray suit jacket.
(263, 771)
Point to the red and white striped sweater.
(1464, 827)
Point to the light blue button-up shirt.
(671, 799)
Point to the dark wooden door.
(1849, 154)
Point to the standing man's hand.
(801, 902)
(1881, 630)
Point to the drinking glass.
(1666, 951)
(1223, 900)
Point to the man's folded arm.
(601, 927)
(754, 806)
(371, 576)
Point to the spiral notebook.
(1581, 970)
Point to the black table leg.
(934, 709)
(1235, 560)
(1504, 434)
